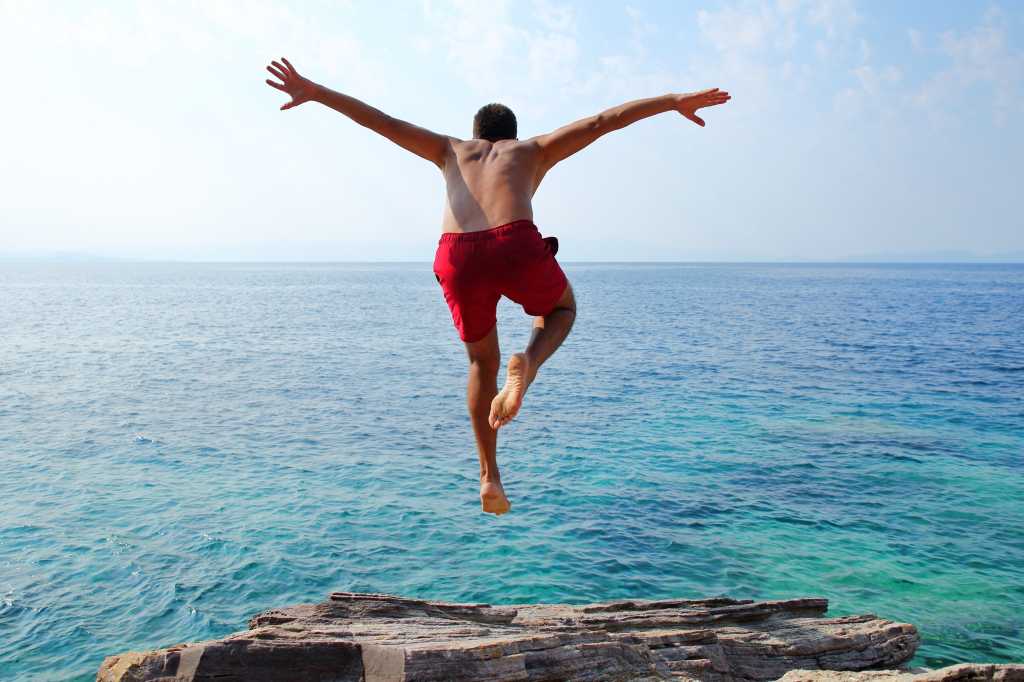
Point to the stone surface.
(965, 672)
(382, 638)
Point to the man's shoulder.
(529, 144)
(501, 145)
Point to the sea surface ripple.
(182, 446)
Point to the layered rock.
(965, 672)
(382, 638)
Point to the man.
(489, 246)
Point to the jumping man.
(489, 246)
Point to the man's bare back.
(487, 228)
(489, 183)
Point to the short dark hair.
(494, 122)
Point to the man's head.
(494, 122)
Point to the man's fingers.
(290, 67)
(276, 85)
(277, 73)
(713, 102)
(287, 105)
(696, 119)
(286, 73)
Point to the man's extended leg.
(548, 334)
(484, 360)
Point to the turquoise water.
(182, 446)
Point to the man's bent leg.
(548, 334)
(484, 361)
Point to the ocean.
(185, 445)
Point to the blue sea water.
(182, 446)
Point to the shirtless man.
(489, 246)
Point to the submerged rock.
(965, 672)
(382, 638)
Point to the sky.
(857, 130)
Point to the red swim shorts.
(475, 269)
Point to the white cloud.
(756, 55)
(553, 58)
(983, 68)
(642, 28)
(873, 92)
(628, 71)
(865, 51)
(837, 17)
(733, 29)
(554, 17)
(749, 25)
(502, 52)
(916, 39)
(757, 43)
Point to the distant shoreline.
(100, 260)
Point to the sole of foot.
(506, 404)
(493, 500)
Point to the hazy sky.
(856, 128)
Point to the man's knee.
(567, 302)
(484, 354)
(485, 363)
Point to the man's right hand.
(301, 89)
(688, 104)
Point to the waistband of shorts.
(490, 233)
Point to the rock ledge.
(382, 638)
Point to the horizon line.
(157, 261)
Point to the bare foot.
(505, 405)
(492, 498)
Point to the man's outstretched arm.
(569, 139)
(420, 141)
